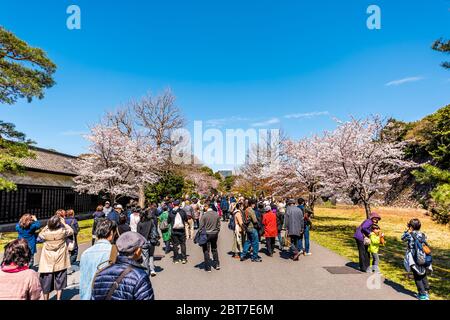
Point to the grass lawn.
(334, 228)
(84, 236)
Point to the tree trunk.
(141, 196)
(367, 208)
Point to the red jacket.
(270, 225)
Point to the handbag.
(71, 243)
(201, 237)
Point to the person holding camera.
(27, 229)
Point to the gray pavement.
(276, 278)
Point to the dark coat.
(135, 286)
(114, 216)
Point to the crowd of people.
(121, 260)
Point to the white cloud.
(402, 81)
(223, 121)
(306, 115)
(266, 123)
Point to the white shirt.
(134, 220)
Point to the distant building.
(45, 186)
(225, 173)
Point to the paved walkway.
(275, 278)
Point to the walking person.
(196, 208)
(189, 225)
(97, 256)
(27, 229)
(238, 230)
(165, 227)
(148, 229)
(270, 229)
(211, 222)
(250, 225)
(97, 215)
(135, 218)
(280, 226)
(307, 214)
(361, 237)
(293, 222)
(126, 279)
(418, 257)
(17, 280)
(177, 220)
(55, 257)
(225, 206)
(123, 225)
(107, 208)
(114, 214)
(72, 244)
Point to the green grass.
(85, 234)
(334, 228)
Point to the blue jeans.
(306, 238)
(252, 240)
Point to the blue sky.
(232, 63)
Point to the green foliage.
(13, 146)
(442, 46)
(24, 71)
(227, 184)
(427, 139)
(169, 185)
(207, 170)
(441, 197)
(441, 194)
(431, 174)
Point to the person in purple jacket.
(363, 231)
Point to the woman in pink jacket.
(17, 281)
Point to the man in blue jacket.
(126, 279)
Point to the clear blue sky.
(256, 61)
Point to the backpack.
(164, 226)
(178, 224)
(420, 257)
(232, 223)
(154, 235)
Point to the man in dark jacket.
(114, 215)
(294, 224)
(177, 219)
(126, 279)
(211, 222)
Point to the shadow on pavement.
(399, 288)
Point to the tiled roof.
(50, 161)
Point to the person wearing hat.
(294, 225)
(270, 229)
(126, 279)
(114, 215)
(361, 236)
(107, 208)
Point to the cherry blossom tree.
(116, 164)
(358, 163)
(203, 183)
(301, 169)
